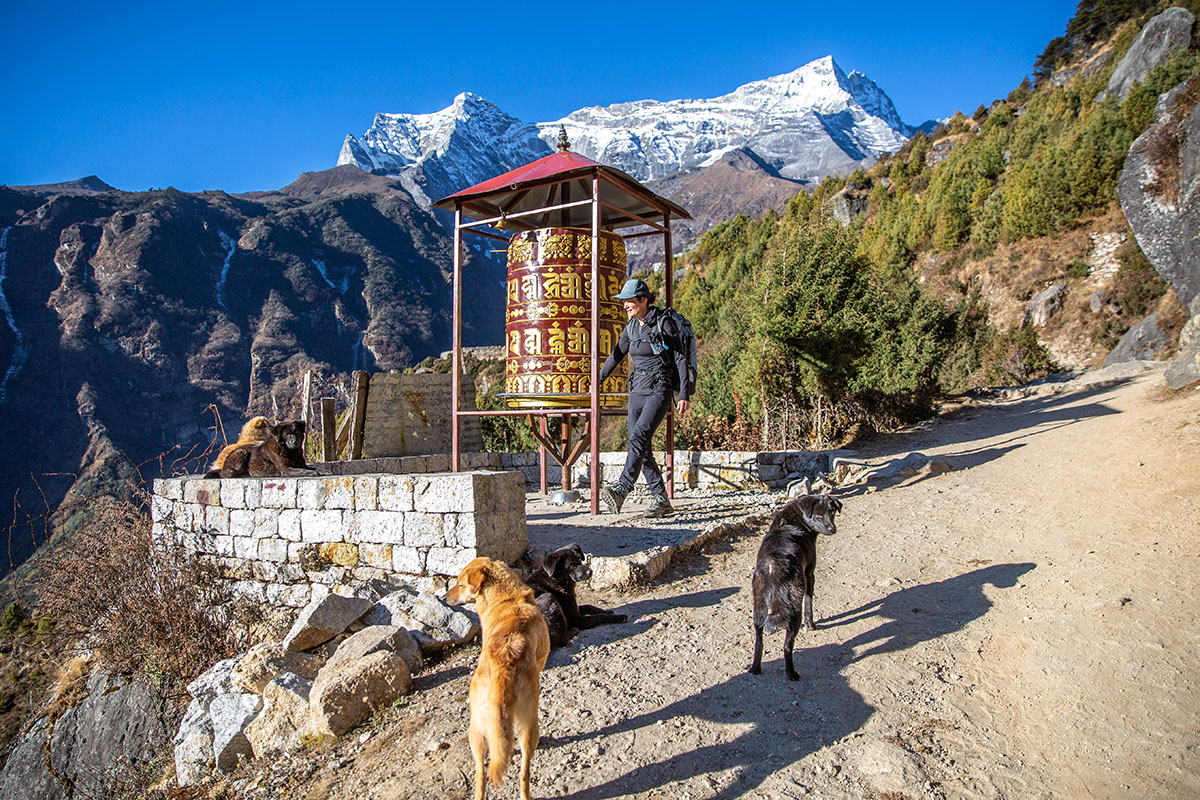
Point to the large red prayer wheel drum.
(548, 330)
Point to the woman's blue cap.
(634, 287)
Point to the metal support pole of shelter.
(456, 358)
(594, 393)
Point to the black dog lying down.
(783, 574)
(553, 583)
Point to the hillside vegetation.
(811, 329)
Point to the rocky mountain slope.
(126, 315)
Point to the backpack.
(686, 339)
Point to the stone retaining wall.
(286, 541)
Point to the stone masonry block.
(445, 492)
(288, 524)
(274, 550)
(161, 508)
(408, 560)
(376, 555)
(459, 530)
(216, 521)
(253, 492)
(202, 491)
(266, 523)
(395, 493)
(245, 547)
(241, 522)
(321, 526)
(223, 546)
(366, 493)
(279, 493)
(196, 515)
(291, 573)
(310, 494)
(339, 492)
(438, 462)
(423, 530)
(169, 488)
(233, 493)
(265, 571)
(380, 527)
(448, 560)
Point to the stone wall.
(409, 415)
(286, 541)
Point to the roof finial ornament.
(563, 144)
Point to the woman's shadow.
(780, 721)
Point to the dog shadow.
(785, 721)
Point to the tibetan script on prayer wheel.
(548, 331)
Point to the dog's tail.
(501, 738)
(777, 608)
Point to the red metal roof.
(542, 183)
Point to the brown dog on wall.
(281, 454)
(256, 431)
(505, 686)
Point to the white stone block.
(366, 493)
(339, 492)
(289, 524)
(253, 488)
(299, 596)
(460, 530)
(251, 590)
(448, 560)
(170, 488)
(318, 592)
(445, 492)
(245, 547)
(310, 494)
(408, 560)
(279, 493)
(216, 521)
(206, 492)
(395, 493)
(266, 571)
(379, 527)
(423, 530)
(274, 550)
(292, 573)
(161, 508)
(223, 546)
(376, 555)
(233, 493)
(266, 523)
(321, 526)
(241, 522)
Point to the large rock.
(1163, 35)
(264, 662)
(346, 693)
(392, 608)
(285, 719)
(433, 624)
(386, 638)
(323, 619)
(230, 714)
(1184, 368)
(120, 724)
(1045, 304)
(217, 679)
(1160, 198)
(194, 745)
(1142, 342)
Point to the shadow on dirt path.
(777, 722)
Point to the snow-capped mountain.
(806, 124)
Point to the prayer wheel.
(548, 332)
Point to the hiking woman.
(656, 354)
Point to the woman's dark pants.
(646, 412)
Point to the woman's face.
(636, 306)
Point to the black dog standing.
(783, 573)
(553, 584)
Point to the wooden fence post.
(328, 432)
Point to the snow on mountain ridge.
(807, 123)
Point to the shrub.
(141, 607)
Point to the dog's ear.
(835, 503)
(474, 576)
(551, 562)
(576, 551)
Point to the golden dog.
(505, 686)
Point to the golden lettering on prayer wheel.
(548, 330)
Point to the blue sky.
(246, 96)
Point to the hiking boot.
(660, 506)
(613, 497)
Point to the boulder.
(386, 638)
(1184, 368)
(120, 724)
(346, 693)
(268, 660)
(285, 719)
(442, 621)
(1164, 210)
(1163, 35)
(230, 714)
(323, 619)
(194, 745)
(217, 679)
(1045, 304)
(392, 608)
(1142, 342)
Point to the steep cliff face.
(127, 315)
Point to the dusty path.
(1022, 628)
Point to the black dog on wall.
(783, 574)
(553, 583)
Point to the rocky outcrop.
(1045, 304)
(1161, 36)
(1143, 342)
(121, 724)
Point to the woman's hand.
(682, 406)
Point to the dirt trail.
(1024, 627)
